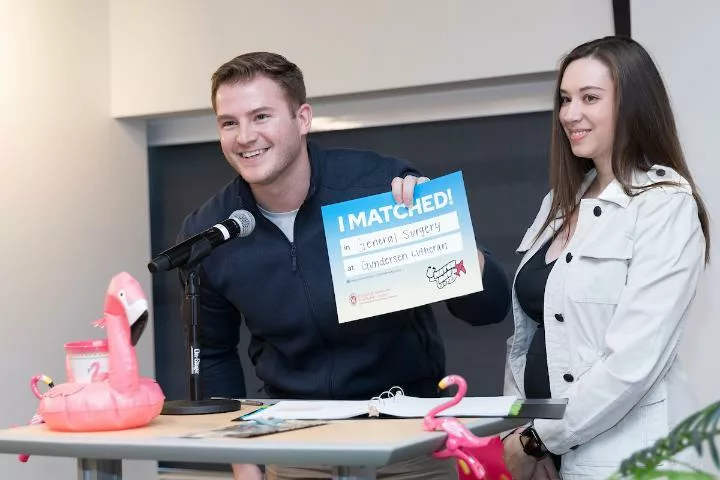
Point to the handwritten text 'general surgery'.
(396, 236)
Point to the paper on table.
(404, 406)
(313, 410)
(400, 406)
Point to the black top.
(530, 291)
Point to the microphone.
(240, 224)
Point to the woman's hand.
(521, 465)
(545, 470)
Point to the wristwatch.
(531, 443)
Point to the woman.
(609, 271)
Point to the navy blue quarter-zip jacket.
(285, 294)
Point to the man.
(279, 277)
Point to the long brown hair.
(645, 132)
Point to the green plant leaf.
(699, 428)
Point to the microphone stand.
(195, 405)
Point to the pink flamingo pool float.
(462, 443)
(120, 399)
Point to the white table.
(354, 448)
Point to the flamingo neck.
(450, 403)
(122, 361)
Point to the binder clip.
(462, 443)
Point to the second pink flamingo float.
(460, 439)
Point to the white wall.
(683, 38)
(164, 51)
(506, 96)
(73, 202)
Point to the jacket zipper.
(293, 256)
(293, 261)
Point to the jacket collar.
(317, 162)
(613, 192)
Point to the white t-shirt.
(285, 221)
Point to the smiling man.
(278, 279)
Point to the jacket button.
(568, 378)
(559, 317)
(568, 257)
(597, 211)
(660, 172)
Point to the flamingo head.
(452, 380)
(125, 298)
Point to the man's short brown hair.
(277, 68)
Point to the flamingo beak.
(443, 384)
(138, 327)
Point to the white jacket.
(615, 303)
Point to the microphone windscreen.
(245, 220)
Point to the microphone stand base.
(200, 407)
